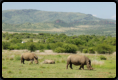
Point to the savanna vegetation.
(104, 66)
(60, 34)
(59, 42)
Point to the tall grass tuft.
(96, 62)
(17, 58)
(103, 57)
(11, 57)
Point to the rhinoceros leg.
(81, 66)
(71, 65)
(32, 61)
(23, 61)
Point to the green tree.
(5, 45)
(84, 50)
(91, 50)
(104, 48)
(15, 40)
(31, 47)
(7, 38)
(70, 48)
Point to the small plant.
(111, 76)
(103, 57)
(63, 61)
(59, 56)
(20, 72)
(17, 58)
(9, 71)
(57, 62)
(4, 67)
(42, 66)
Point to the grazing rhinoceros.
(29, 57)
(79, 60)
(49, 62)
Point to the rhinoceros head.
(36, 59)
(89, 65)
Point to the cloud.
(94, 15)
(114, 16)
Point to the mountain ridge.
(70, 23)
(35, 16)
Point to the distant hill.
(36, 21)
(35, 16)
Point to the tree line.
(60, 43)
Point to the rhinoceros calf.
(79, 60)
(29, 57)
(48, 62)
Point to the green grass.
(14, 68)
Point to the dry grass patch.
(96, 62)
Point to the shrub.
(7, 38)
(103, 57)
(90, 50)
(41, 47)
(48, 46)
(59, 50)
(31, 47)
(104, 48)
(15, 40)
(85, 51)
(70, 48)
(5, 45)
(11, 47)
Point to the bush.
(81, 47)
(103, 57)
(48, 46)
(7, 38)
(15, 40)
(41, 47)
(59, 50)
(104, 48)
(31, 47)
(85, 51)
(70, 48)
(5, 45)
(90, 50)
(11, 47)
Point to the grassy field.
(12, 67)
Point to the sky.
(105, 10)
